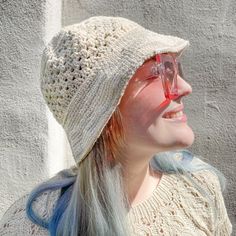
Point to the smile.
(176, 117)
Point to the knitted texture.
(86, 67)
(175, 207)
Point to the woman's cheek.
(151, 97)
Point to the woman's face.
(143, 122)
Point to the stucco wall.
(32, 144)
(27, 137)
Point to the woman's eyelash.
(152, 77)
(148, 78)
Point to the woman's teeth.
(174, 115)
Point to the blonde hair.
(94, 201)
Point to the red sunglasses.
(166, 67)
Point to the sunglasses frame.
(158, 73)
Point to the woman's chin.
(181, 139)
(186, 139)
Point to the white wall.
(32, 144)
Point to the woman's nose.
(184, 88)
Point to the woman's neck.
(139, 182)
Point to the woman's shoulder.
(204, 181)
(208, 179)
(205, 175)
(16, 222)
(210, 182)
(198, 184)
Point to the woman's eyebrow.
(147, 73)
(148, 69)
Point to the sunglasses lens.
(165, 69)
(169, 69)
(170, 76)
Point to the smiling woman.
(150, 105)
(114, 85)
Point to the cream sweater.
(175, 208)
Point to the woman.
(116, 89)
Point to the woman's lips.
(181, 119)
(172, 111)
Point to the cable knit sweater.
(175, 207)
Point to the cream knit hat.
(86, 67)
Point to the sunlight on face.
(143, 110)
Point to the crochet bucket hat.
(86, 67)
